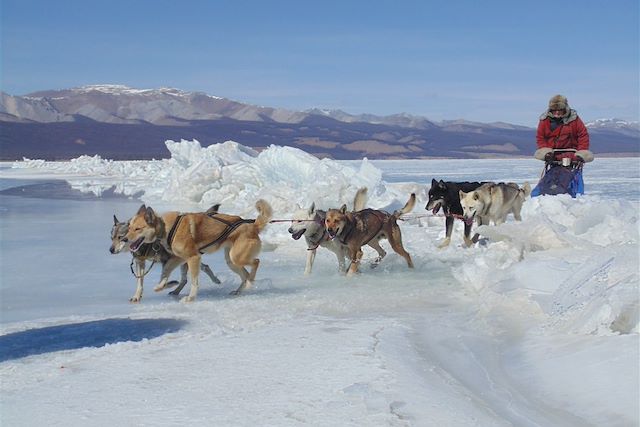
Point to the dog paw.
(235, 293)
(187, 299)
(135, 300)
(159, 287)
(444, 243)
(174, 293)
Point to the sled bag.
(560, 180)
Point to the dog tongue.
(436, 209)
(135, 245)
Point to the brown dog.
(190, 235)
(153, 252)
(368, 226)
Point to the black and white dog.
(446, 195)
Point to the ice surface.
(537, 325)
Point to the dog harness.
(148, 247)
(230, 227)
(172, 232)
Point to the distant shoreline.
(597, 156)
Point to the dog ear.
(434, 182)
(475, 195)
(150, 216)
(442, 184)
(142, 210)
(461, 194)
(343, 209)
(115, 220)
(312, 209)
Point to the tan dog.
(368, 226)
(190, 235)
(153, 252)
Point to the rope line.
(403, 217)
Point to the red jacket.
(571, 133)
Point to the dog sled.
(562, 175)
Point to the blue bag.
(559, 179)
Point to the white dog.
(493, 202)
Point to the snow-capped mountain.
(127, 123)
(625, 127)
(21, 109)
(125, 105)
(402, 119)
(112, 103)
(613, 123)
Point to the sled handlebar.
(564, 161)
(564, 150)
(571, 163)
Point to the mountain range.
(119, 122)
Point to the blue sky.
(478, 60)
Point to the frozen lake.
(535, 328)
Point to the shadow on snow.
(78, 335)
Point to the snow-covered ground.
(537, 326)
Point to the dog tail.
(408, 207)
(360, 200)
(264, 214)
(213, 209)
(526, 189)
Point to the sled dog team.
(176, 239)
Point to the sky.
(484, 61)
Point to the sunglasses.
(558, 111)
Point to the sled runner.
(563, 175)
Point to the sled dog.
(493, 202)
(188, 236)
(356, 229)
(310, 224)
(153, 252)
(445, 195)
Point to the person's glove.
(578, 161)
(549, 157)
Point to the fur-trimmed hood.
(570, 116)
(560, 102)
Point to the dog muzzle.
(295, 235)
